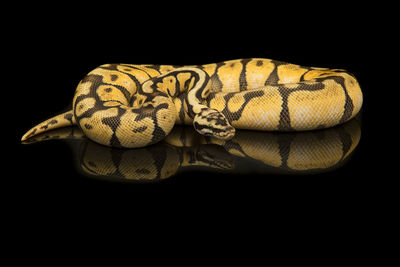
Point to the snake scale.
(125, 105)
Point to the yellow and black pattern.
(183, 150)
(124, 105)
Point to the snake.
(134, 106)
(184, 150)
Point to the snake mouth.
(221, 134)
(227, 134)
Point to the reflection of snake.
(248, 151)
(124, 105)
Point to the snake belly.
(125, 105)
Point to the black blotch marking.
(139, 129)
(151, 112)
(113, 101)
(68, 117)
(216, 83)
(114, 77)
(273, 77)
(234, 116)
(187, 83)
(136, 68)
(200, 91)
(132, 100)
(114, 123)
(44, 127)
(259, 63)
(108, 90)
(121, 88)
(198, 94)
(242, 77)
(154, 67)
(182, 108)
(88, 126)
(349, 105)
(284, 117)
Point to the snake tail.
(62, 120)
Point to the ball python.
(184, 150)
(131, 106)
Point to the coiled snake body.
(124, 105)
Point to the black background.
(55, 50)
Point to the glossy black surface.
(186, 152)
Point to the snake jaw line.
(228, 134)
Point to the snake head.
(211, 122)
